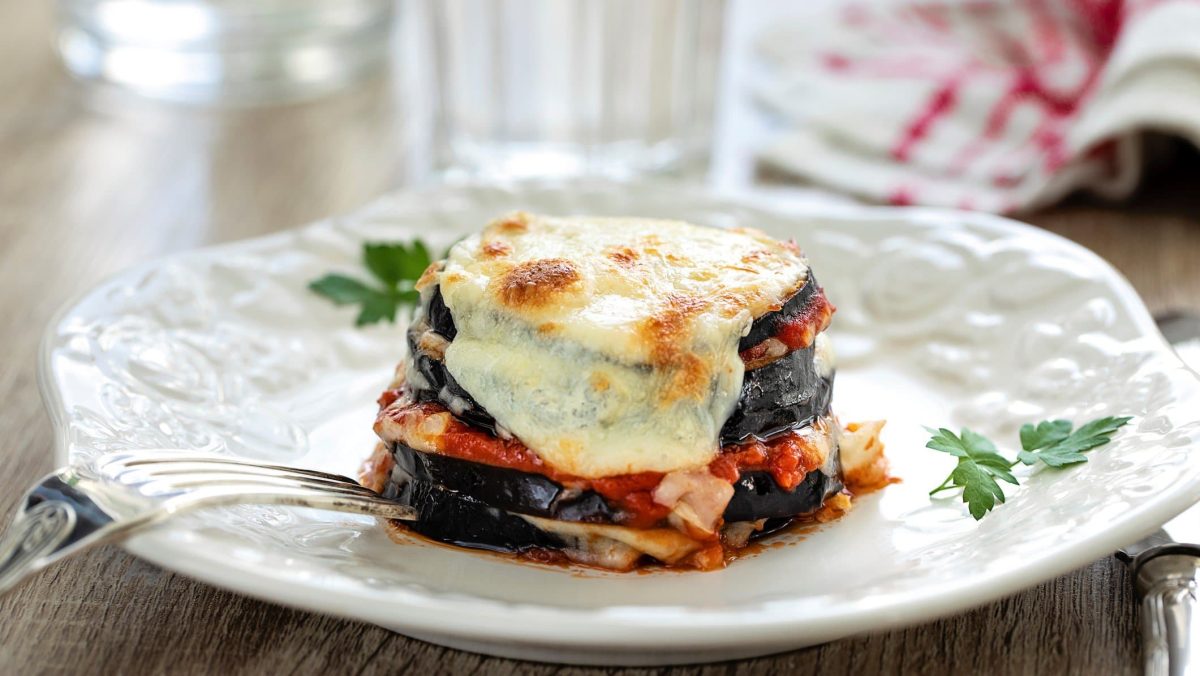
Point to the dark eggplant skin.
(767, 325)
(444, 389)
(438, 315)
(755, 494)
(786, 394)
(782, 395)
(458, 519)
(448, 517)
(507, 489)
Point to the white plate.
(943, 319)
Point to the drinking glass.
(225, 51)
(569, 87)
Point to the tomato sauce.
(634, 493)
(461, 441)
(788, 457)
(388, 398)
(795, 333)
(799, 331)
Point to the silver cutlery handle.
(1169, 585)
(31, 539)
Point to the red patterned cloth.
(995, 105)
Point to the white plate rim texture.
(660, 635)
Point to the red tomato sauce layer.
(796, 332)
(788, 457)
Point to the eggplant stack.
(613, 392)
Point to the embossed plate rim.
(544, 632)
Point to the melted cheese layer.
(609, 346)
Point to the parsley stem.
(946, 485)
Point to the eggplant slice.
(786, 394)
(508, 489)
(457, 519)
(768, 324)
(756, 495)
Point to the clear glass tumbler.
(571, 87)
(225, 51)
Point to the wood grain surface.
(92, 182)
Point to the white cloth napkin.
(994, 105)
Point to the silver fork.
(110, 498)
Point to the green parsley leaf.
(1047, 432)
(376, 308)
(340, 289)
(980, 490)
(395, 266)
(393, 263)
(979, 465)
(1063, 447)
(420, 254)
(1050, 442)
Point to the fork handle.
(34, 535)
(1170, 589)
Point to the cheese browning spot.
(514, 223)
(690, 380)
(600, 382)
(623, 256)
(535, 283)
(755, 256)
(670, 328)
(429, 277)
(495, 249)
(668, 332)
(731, 304)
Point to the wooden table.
(91, 183)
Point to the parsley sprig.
(980, 466)
(1055, 445)
(395, 266)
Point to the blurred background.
(129, 128)
(994, 105)
(134, 127)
